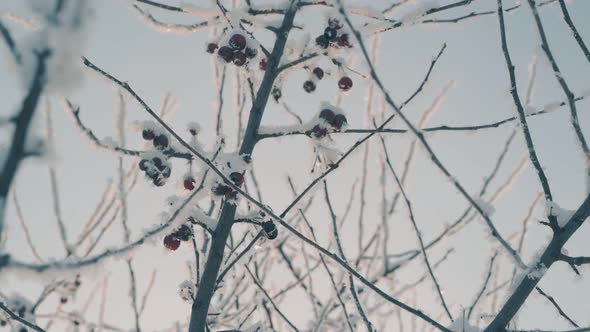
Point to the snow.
(419, 11)
(486, 206)
(187, 291)
(550, 107)
(201, 12)
(562, 215)
(537, 272)
(529, 110)
(66, 40)
(462, 325)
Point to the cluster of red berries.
(155, 169)
(344, 83)
(172, 241)
(336, 121)
(316, 74)
(333, 36)
(160, 141)
(235, 51)
(221, 189)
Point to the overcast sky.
(155, 63)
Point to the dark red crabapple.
(262, 65)
(270, 230)
(148, 134)
(237, 41)
(239, 59)
(345, 83)
(189, 183)
(250, 52)
(343, 41)
(226, 53)
(338, 121)
(318, 72)
(319, 132)
(211, 47)
(161, 141)
(330, 33)
(309, 86)
(143, 164)
(237, 178)
(322, 41)
(171, 242)
(327, 114)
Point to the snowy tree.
(331, 165)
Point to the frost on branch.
(562, 215)
(461, 324)
(22, 307)
(65, 36)
(187, 291)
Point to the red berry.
(338, 121)
(262, 64)
(239, 59)
(319, 132)
(345, 83)
(250, 52)
(143, 164)
(309, 86)
(171, 242)
(270, 230)
(342, 41)
(161, 141)
(211, 47)
(322, 41)
(330, 33)
(237, 178)
(226, 53)
(327, 114)
(148, 134)
(237, 41)
(318, 72)
(189, 183)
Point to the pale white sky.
(155, 63)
